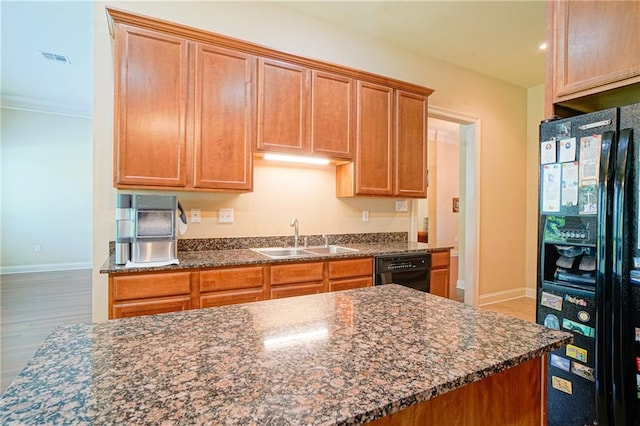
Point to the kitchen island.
(346, 357)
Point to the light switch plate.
(402, 205)
(365, 215)
(225, 215)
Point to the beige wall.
(535, 114)
(281, 193)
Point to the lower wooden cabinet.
(296, 279)
(137, 293)
(227, 286)
(439, 284)
(145, 294)
(348, 274)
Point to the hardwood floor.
(33, 304)
(523, 308)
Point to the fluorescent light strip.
(296, 159)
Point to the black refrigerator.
(588, 280)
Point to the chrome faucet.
(296, 234)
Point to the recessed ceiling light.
(56, 57)
(542, 46)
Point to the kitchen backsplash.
(206, 244)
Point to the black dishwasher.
(407, 269)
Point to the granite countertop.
(344, 357)
(191, 259)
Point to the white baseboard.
(50, 267)
(530, 292)
(460, 284)
(503, 296)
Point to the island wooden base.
(511, 397)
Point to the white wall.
(448, 188)
(501, 107)
(46, 191)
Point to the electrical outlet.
(402, 206)
(365, 215)
(37, 248)
(225, 215)
(195, 216)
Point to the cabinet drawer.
(150, 307)
(151, 285)
(440, 259)
(296, 273)
(350, 268)
(296, 290)
(231, 278)
(350, 284)
(230, 297)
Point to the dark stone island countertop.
(343, 358)
(194, 256)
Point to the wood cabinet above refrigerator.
(594, 57)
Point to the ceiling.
(494, 38)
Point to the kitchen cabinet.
(172, 133)
(333, 109)
(391, 145)
(223, 119)
(593, 51)
(283, 107)
(348, 274)
(410, 165)
(151, 97)
(439, 278)
(296, 279)
(226, 286)
(149, 293)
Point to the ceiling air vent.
(61, 59)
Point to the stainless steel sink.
(331, 250)
(284, 252)
(278, 252)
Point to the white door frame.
(470, 203)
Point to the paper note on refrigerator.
(590, 159)
(548, 152)
(567, 150)
(570, 184)
(551, 187)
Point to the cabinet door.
(439, 284)
(150, 307)
(151, 87)
(411, 145)
(596, 46)
(223, 122)
(296, 273)
(140, 286)
(332, 115)
(349, 284)
(349, 268)
(374, 141)
(283, 107)
(220, 298)
(296, 290)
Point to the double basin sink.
(286, 252)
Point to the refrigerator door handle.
(603, 277)
(620, 271)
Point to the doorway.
(463, 234)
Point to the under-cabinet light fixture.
(297, 159)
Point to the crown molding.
(45, 106)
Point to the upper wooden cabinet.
(410, 145)
(283, 107)
(594, 47)
(391, 145)
(151, 96)
(191, 108)
(223, 118)
(184, 113)
(333, 112)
